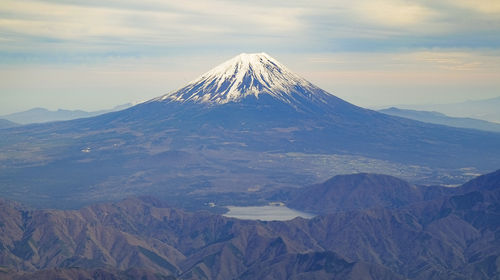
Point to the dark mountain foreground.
(453, 235)
(362, 191)
(83, 274)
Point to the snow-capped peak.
(242, 76)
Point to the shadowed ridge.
(490, 181)
(362, 191)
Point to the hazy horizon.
(412, 106)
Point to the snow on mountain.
(248, 75)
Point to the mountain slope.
(248, 75)
(488, 182)
(451, 237)
(443, 238)
(362, 191)
(249, 124)
(318, 265)
(80, 273)
(438, 118)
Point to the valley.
(425, 235)
(185, 177)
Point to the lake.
(265, 213)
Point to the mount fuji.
(247, 126)
(246, 91)
(250, 76)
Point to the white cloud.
(455, 61)
(482, 6)
(156, 22)
(135, 26)
(393, 12)
(71, 22)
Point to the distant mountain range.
(7, 124)
(242, 130)
(42, 115)
(379, 228)
(485, 109)
(439, 118)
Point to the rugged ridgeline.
(249, 125)
(454, 236)
(361, 191)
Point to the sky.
(94, 55)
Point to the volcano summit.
(246, 127)
(247, 76)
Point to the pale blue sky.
(97, 54)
